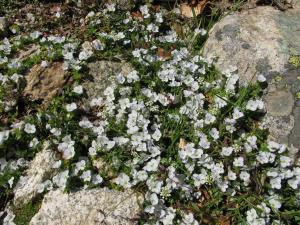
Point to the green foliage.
(25, 212)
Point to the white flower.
(254, 105)
(231, 175)
(57, 14)
(226, 151)
(111, 7)
(33, 142)
(85, 54)
(44, 64)
(294, 183)
(251, 216)
(29, 128)
(71, 107)
(85, 123)
(188, 219)
(79, 166)
(61, 179)
(120, 78)
(56, 164)
(204, 143)
(159, 17)
(245, 176)
(199, 179)
(35, 34)
(265, 157)
(123, 180)
(11, 182)
(214, 133)
(56, 131)
(68, 153)
(252, 141)
(98, 45)
(261, 78)
(168, 216)
(78, 89)
(209, 118)
(145, 11)
(238, 162)
(285, 161)
(275, 183)
(96, 102)
(152, 165)
(86, 176)
(142, 175)
(153, 199)
(4, 136)
(231, 81)
(237, 114)
(200, 31)
(275, 201)
(156, 135)
(220, 102)
(97, 179)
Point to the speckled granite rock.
(257, 41)
(261, 41)
(89, 207)
(40, 169)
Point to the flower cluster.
(172, 127)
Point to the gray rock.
(3, 26)
(257, 41)
(40, 169)
(261, 41)
(102, 75)
(283, 111)
(89, 207)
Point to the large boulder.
(256, 41)
(262, 41)
(89, 207)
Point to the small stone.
(89, 207)
(45, 82)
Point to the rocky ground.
(126, 112)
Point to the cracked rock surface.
(89, 207)
(40, 169)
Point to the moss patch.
(295, 60)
